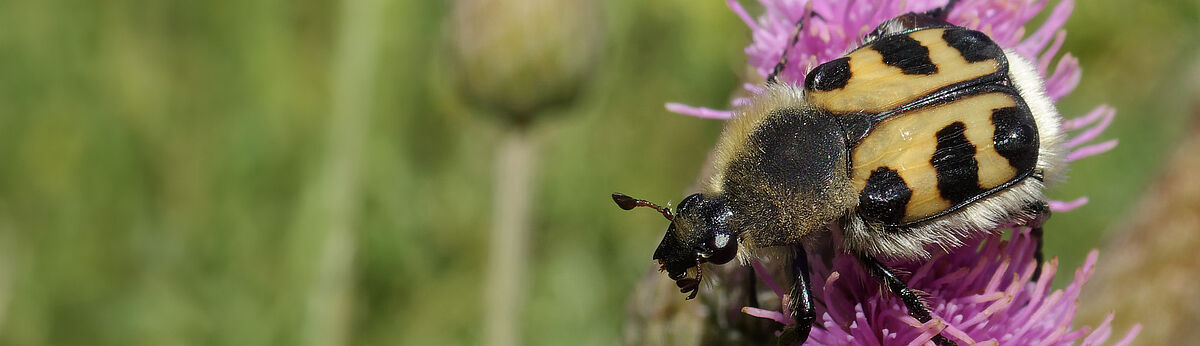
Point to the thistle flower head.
(982, 292)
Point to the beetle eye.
(721, 240)
(724, 249)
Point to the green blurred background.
(283, 172)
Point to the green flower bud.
(517, 57)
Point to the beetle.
(925, 135)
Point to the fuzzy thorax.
(746, 120)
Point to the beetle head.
(699, 233)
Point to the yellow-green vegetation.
(182, 172)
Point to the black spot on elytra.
(829, 76)
(954, 161)
(885, 196)
(1016, 137)
(974, 46)
(906, 53)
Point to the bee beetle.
(925, 135)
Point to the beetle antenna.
(628, 203)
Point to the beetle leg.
(1042, 213)
(916, 308)
(942, 12)
(801, 304)
(751, 288)
(771, 77)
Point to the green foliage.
(155, 158)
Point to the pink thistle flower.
(840, 25)
(983, 292)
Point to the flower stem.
(507, 255)
(330, 207)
